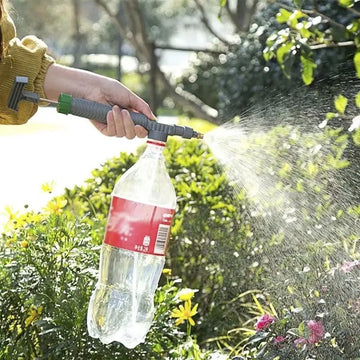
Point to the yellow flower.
(34, 315)
(11, 214)
(55, 206)
(186, 294)
(167, 272)
(48, 187)
(185, 312)
(24, 244)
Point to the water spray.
(67, 104)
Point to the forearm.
(87, 85)
(79, 83)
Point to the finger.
(106, 129)
(118, 122)
(128, 124)
(110, 129)
(140, 131)
(101, 127)
(140, 105)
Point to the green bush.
(244, 253)
(264, 67)
(48, 271)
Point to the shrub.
(47, 276)
(247, 255)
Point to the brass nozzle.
(200, 135)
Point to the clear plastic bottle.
(132, 257)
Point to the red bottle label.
(138, 227)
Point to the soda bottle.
(132, 257)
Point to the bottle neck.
(154, 148)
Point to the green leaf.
(282, 51)
(287, 66)
(357, 63)
(346, 3)
(354, 26)
(301, 328)
(293, 19)
(299, 186)
(303, 30)
(267, 54)
(223, 3)
(357, 100)
(285, 170)
(270, 41)
(283, 16)
(307, 71)
(298, 3)
(312, 169)
(340, 103)
(356, 137)
(330, 115)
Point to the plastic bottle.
(132, 257)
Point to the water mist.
(302, 185)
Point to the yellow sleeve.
(23, 58)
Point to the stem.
(188, 329)
(354, 11)
(333, 45)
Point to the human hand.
(90, 86)
(119, 123)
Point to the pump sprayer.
(136, 239)
(66, 104)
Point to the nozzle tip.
(200, 135)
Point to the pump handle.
(97, 111)
(92, 110)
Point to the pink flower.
(349, 265)
(264, 321)
(316, 331)
(279, 339)
(298, 342)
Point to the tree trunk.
(242, 15)
(135, 32)
(77, 52)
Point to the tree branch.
(313, 12)
(113, 15)
(332, 45)
(232, 17)
(138, 29)
(206, 23)
(182, 48)
(244, 14)
(354, 11)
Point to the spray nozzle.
(66, 104)
(159, 131)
